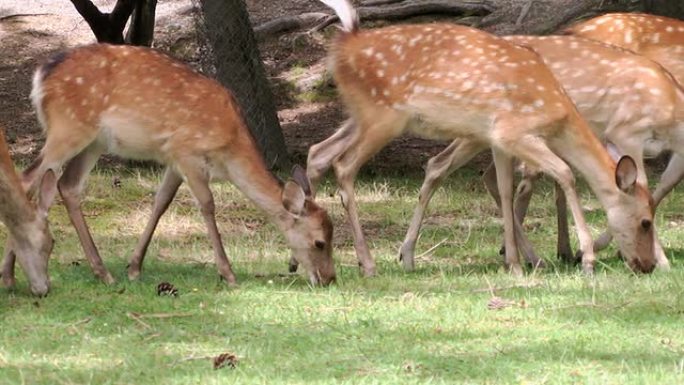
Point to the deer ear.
(626, 173)
(293, 198)
(299, 176)
(46, 192)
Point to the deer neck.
(15, 209)
(251, 176)
(585, 152)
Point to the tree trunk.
(141, 30)
(670, 8)
(107, 27)
(239, 68)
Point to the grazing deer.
(29, 236)
(447, 81)
(627, 98)
(660, 39)
(138, 103)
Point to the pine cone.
(225, 360)
(165, 288)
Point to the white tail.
(446, 81)
(29, 236)
(138, 103)
(346, 12)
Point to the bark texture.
(109, 27)
(239, 68)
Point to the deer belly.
(131, 137)
(452, 124)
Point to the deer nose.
(640, 266)
(40, 289)
(327, 281)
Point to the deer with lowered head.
(447, 81)
(29, 240)
(138, 103)
(658, 38)
(627, 99)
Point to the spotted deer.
(660, 39)
(627, 99)
(30, 240)
(138, 103)
(447, 81)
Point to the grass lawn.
(432, 326)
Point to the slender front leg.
(439, 167)
(669, 179)
(524, 244)
(167, 190)
(504, 179)
(539, 155)
(71, 186)
(321, 155)
(199, 185)
(563, 248)
(8, 278)
(367, 141)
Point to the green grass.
(430, 326)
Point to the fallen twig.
(428, 251)
(492, 289)
(136, 317)
(161, 315)
(591, 305)
(81, 322)
(7, 17)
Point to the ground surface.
(438, 325)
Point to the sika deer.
(138, 103)
(448, 81)
(660, 39)
(627, 98)
(29, 236)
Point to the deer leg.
(523, 243)
(670, 177)
(199, 185)
(366, 142)
(439, 167)
(504, 180)
(668, 180)
(71, 185)
(321, 155)
(8, 278)
(536, 153)
(563, 248)
(165, 194)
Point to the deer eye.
(645, 224)
(319, 245)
